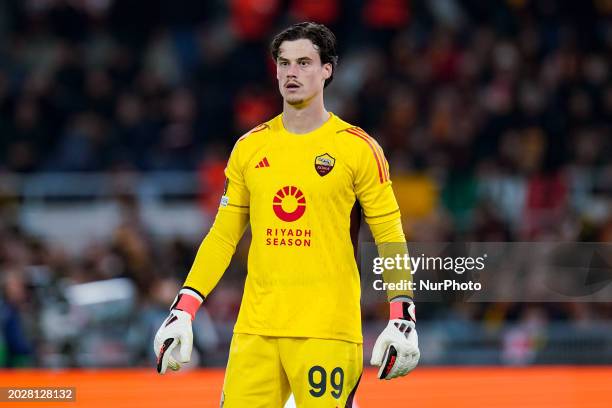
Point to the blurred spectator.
(211, 175)
(16, 348)
(251, 19)
(322, 11)
(495, 118)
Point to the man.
(296, 179)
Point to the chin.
(295, 101)
(298, 100)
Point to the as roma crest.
(324, 164)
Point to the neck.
(304, 118)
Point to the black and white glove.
(396, 350)
(176, 331)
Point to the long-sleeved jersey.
(298, 192)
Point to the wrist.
(188, 300)
(403, 309)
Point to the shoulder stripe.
(382, 157)
(354, 132)
(383, 160)
(259, 128)
(256, 129)
(363, 136)
(344, 130)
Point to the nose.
(292, 70)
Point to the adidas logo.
(263, 163)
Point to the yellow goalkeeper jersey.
(299, 191)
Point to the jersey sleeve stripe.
(383, 215)
(364, 138)
(259, 128)
(383, 160)
(256, 129)
(387, 169)
(385, 165)
(238, 206)
(381, 155)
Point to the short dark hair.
(321, 37)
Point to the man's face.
(299, 71)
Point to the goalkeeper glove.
(175, 330)
(396, 350)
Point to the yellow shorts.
(262, 372)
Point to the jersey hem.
(293, 333)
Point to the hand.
(396, 350)
(175, 330)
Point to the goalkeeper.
(300, 181)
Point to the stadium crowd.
(496, 118)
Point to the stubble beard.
(294, 101)
(299, 101)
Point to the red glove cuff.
(402, 310)
(188, 301)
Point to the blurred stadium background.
(116, 118)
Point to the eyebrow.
(300, 59)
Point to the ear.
(327, 70)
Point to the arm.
(396, 349)
(211, 261)
(215, 252)
(390, 242)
